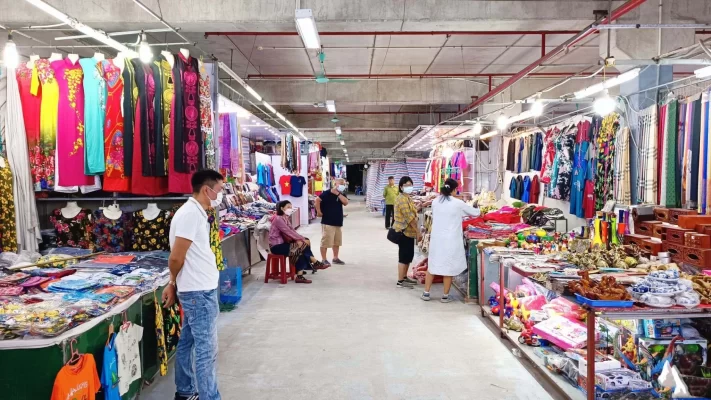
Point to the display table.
(29, 367)
(467, 283)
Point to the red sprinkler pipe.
(617, 13)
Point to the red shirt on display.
(285, 183)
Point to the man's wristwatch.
(172, 283)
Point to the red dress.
(31, 115)
(144, 185)
(114, 178)
(178, 182)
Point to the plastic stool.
(276, 268)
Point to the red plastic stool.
(276, 268)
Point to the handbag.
(395, 236)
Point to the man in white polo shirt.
(194, 277)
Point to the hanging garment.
(178, 182)
(150, 234)
(130, 95)
(579, 173)
(111, 235)
(145, 104)
(647, 181)
(661, 133)
(26, 220)
(605, 160)
(519, 187)
(166, 104)
(70, 124)
(141, 184)
(519, 156)
(512, 187)
(127, 348)
(511, 156)
(589, 199)
(115, 179)
(162, 351)
(235, 156)
(535, 190)
(526, 195)
(8, 228)
(206, 115)
(695, 149)
(671, 190)
(189, 151)
(681, 150)
(31, 105)
(706, 168)
(622, 168)
(78, 381)
(156, 92)
(75, 231)
(46, 87)
(548, 156)
(109, 372)
(215, 242)
(564, 166)
(173, 326)
(94, 114)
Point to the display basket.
(230, 287)
(604, 303)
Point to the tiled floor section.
(353, 335)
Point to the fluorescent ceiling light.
(612, 82)
(236, 77)
(253, 92)
(704, 72)
(489, 134)
(269, 107)
(343, 143)
(338, 130)
(306, 25)
(87, 30)
(590, 90)
(280, 116)
(331, 106)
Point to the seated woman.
(284, 241)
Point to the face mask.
(289, 211)
(408, 189)
(341, 188)
(217, 201)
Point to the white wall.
(301, 202)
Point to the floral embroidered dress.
(8, 229)
(46, 86)
(150, 234)
(74, 231)
(206, 117)
(115, 179)
(215, 242)
(70, 124)
(31, 105)
(111, 235)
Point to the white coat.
(446, 256)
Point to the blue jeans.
(198, 337)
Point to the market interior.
(577, 134)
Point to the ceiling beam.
(399, 33)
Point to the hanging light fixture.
(144, 50)
(604, 105)
(10, 56)
(502, 122)
(476, 130)
(306, 25)
(448, 152)
(537, 108)
(612, 82)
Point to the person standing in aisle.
(390, 194)
(194, 278)
(329, 206)
(446, 256)
(406, 223)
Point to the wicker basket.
(698, 386)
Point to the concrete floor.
(353, 335)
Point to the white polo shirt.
(199, 271)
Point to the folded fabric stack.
(72, 285)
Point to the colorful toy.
(529, 338)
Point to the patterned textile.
(215, 242)
(46, 86)
(172, 326)
(188, 136)
(605, 160)
(706, 149)
(206, 116)
(405, 212)
(670, 194)
(647, 176)
(130, 94)
(74, 231)
(31, 105)
(167, 97)
(8, 229)
(295, 251)
(160, 337)
(622, 168)
(150, 234)
(115, 179)
(548, 155)
(111, 235)
(565, 144)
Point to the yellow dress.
(43, 77)
(8, 230)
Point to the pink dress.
(70, 124)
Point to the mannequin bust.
(151, 211)
(99, 56)
(168, 57)
(185, 53)
(120, 61)
(73, 58)
(55, 57)
(71, 210)
(113, 212)
(33, 58)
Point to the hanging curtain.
(647, 179)
(622, 168)
(26, 220)
(670, 190)
(706, 167)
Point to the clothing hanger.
(126, 323)
(111, 331)
(74, 352)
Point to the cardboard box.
(621, 379)
(661, 328)
(689, 354)
(602, 365)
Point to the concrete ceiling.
(378, 99)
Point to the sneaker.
(425, 296)
(410, 281)
(189, 397)
(446, 299)
(325, 263)
(338, 261)
(319, 265)
(301, 279)
(404, 284)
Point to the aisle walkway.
(353, 335)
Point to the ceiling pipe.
(371, 112)
(590, 29)
(399, 33)
(377, 76)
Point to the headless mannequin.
(120, 61)
(99, 57)
(168, 57)
(55, 57)
(151, 211)
(31, 63)
(73, 58)
(113, 212)
(71, 210)
(185, 53)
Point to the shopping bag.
(394, 236)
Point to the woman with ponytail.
(446, 256)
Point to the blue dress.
(94, 114)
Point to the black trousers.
(389, 215)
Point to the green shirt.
(390, 193)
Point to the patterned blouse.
(75, 231)
(405, 212)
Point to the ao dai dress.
(31, 115)
(70, 124)
(115, 179)
(47, 85)
(94, 114)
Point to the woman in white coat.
(446, 256)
